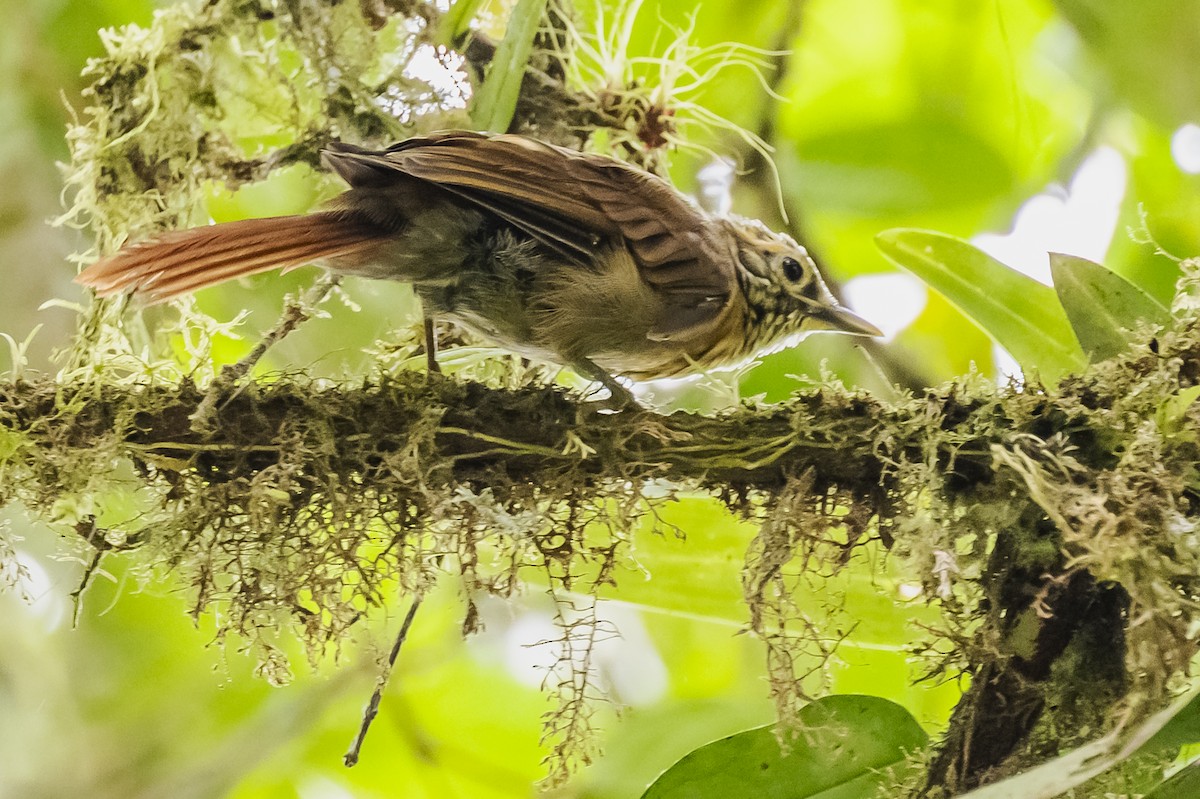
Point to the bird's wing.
(597, 201)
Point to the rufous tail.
(176, 263)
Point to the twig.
(86, 580)
(296, 313)
(372, 709)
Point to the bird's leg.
(620, 398)
(431, 347)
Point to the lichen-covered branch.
(297, 491)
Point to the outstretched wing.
(574, 202)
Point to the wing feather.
(600, 199)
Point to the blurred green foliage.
(938, 114)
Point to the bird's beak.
(835, 317)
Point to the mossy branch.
(300, 503)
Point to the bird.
(574, 258)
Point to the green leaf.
(1182, 729)
(1103, 307)
(842, 753)
(497, 98)
(1020, 313)
(1183, 784)
(457, 20)
(1173, 410)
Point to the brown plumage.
(571, 257)
(186, 260)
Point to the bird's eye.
(792, 269)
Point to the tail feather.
(186, 260)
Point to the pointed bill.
(844, 320)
